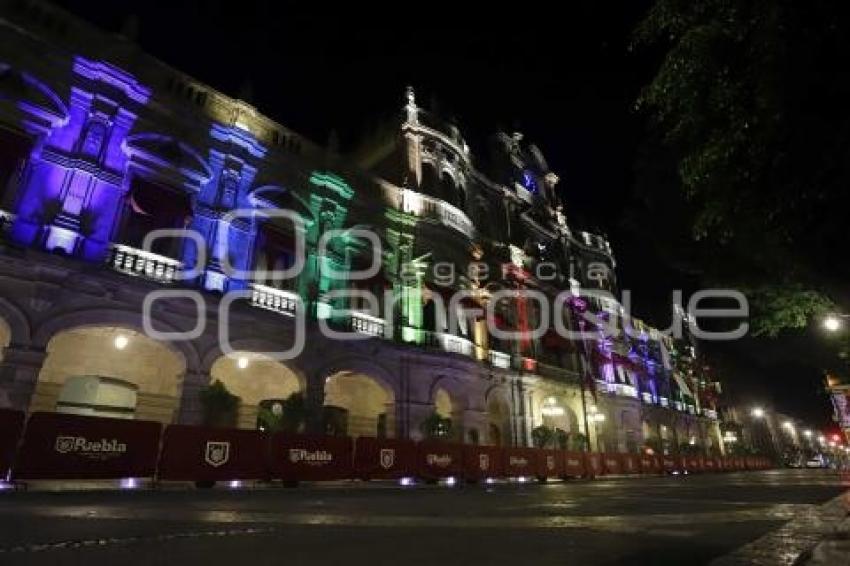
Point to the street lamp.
(807, 433)
(757, 412)
(833, 322)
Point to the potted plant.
(219, 406)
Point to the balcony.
(449, 343)
(275, 300)
(424, 206)
(556, 372)
(499, 359)
(367, 324)
(140, 263)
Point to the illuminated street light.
(807, 433)
(242, 362)
(832, 323)
(822, 439)
(757, 412)
(121, 342)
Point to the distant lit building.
(102, 145)
(839, 392)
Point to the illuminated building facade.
(102, 146)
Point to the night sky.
(565, 78)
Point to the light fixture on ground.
(121, 342)
(242, 362)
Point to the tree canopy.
(747, 107)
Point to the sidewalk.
(819, 536)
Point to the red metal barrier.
(709, 465)
(438, 459)
(62, 446)
(383, 458)
(550, 464)
(194, 453)
(727, 463)
(521, 462)
(297, 457)
(593, 465)
(630, 463)
(670, 464)
(650, 464)
(482, 462)
(693, 464)
(11, 426)
(612, 464)
(574, 464)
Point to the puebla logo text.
(81, 445)
(310, 457)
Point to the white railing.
(710, 413)
(663, 402)
(140, 263)
(692, 410)
(678, 405)
(450, 343)
(499, 359)
(626, 390)
(424, 206)
(277, 300)
(368, 324)
(647, 397)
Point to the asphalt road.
(672, 520)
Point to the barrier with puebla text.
(629, 464)
(650, 464)
(11, 427)
(383, 458)
(550, 464)
(521, 462)
(612, 464)
(593, 465)
(62, 446)
(194, 453)
(693, 464)
(482, 462)
(301, 457)
(574, 465)
(435, 460)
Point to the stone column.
(474, 419)
(190, 410)
(19, 371)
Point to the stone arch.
(131, 320)
(17, 325)
(498, 418)
(357, 404)
(255, 378)
(110, 358)
(567, 420)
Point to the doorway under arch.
(358, 405)
(254, 378)
(93, 368)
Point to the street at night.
(661, 520)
